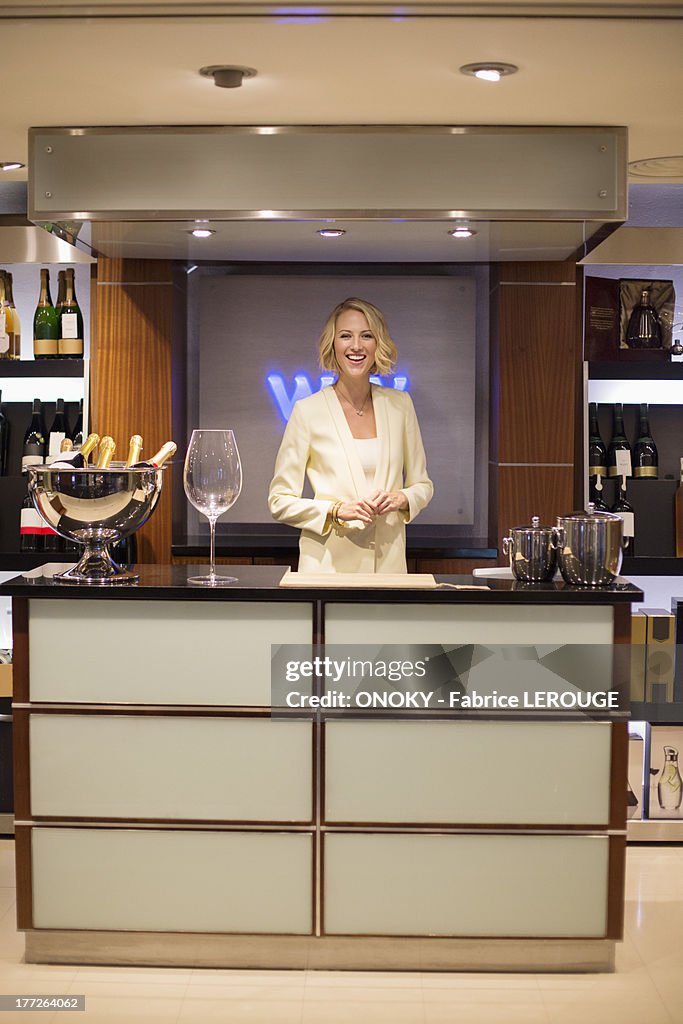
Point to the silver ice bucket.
(96, 508)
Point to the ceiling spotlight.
(201, 232)
(331, 232)
(489, 71)
(462, 232)
(11, 165)
(227, 76)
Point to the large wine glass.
(213, 480)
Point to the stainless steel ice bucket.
(590, 546)
(95, 507)
(532, 551)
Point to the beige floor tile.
(198, 1011)
(391, 980)
(478, 1011)
(34, 979)
(656, 929)
(493, 982)
(361, 1011)
(617, 1011)
(135, 975)
(276, 979)
(7, 902)
(654, 873)
(112, 1009)
(7, 876)
(254, 992)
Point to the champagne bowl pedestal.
(96, 508)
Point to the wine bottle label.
(31, 460)
(55, 446)
(71, 346)
(45, 346)
(646, 471)
(69, 323)
(629, 523)
(623, 467)
(30, 522)
(4, 336)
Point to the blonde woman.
(361, 449)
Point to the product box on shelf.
(636, 769)
(638, 649)
(609, 305)
(666, 785)
(677, 609)
(659, 656)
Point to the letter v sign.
(285, 402)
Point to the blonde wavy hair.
(386, 353)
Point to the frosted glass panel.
(466, 885)
(159, 652)
(468, 772)
(455, 624)
(242, 769)
(172, 881)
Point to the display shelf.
(651, 831)
(650, 566)
(635, 371)
(10, 369)
(657, 714)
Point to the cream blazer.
(318, 443)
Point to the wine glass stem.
(212, 555)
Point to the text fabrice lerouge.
(557, 700)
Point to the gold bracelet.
(334, 513)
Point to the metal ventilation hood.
(22, 242)
(529, 193)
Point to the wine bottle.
(33, 451)
(78, 458)
(30, 526)
(125, 551)
(77, 432)
(70, 322)
(134, 450)
(4, 440)
(165, 452)
(16, 322)
(7, 340)
(45, 322)
(597, 452)
(644, 329)
(595, 495)
(57, 433)
(624, 509)
(61, 291)
(106, 452)
(618, 442)
(645, 457)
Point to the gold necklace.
(358, 412)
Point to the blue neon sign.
(284, 399)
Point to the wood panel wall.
(132, 337)
(535, 391)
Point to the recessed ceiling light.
(331, 232)
(489, 71)
(657, 167)
(227, 76)
(202, 232)
(462, 232)
(11, 165)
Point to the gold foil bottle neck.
(106, 453)
(134, 450)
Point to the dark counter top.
(260, 583)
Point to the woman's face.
(354, 345)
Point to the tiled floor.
(647, 987)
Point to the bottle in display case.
(16, 322)
(669, 783)
(623, 508)
(30, 526)
(644, 328)
(58, 431)
(33, 451)
(70, 322)
(596, 495)
(9, 347)
(77, 432)
(597, 452)
(618, 442)
(4, 440)
(45, 322)
(645, 456)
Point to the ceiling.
(109, 63)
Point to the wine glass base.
(212, 581)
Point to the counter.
(167, 812)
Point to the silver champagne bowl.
(96, 508)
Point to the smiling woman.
(362, 451)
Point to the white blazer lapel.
(346, 440)
(384, 437)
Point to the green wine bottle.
(45, 322)
(70, 322)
